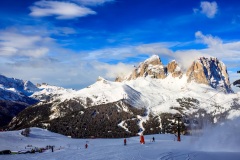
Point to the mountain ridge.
(156, 101)
(14, 97)
(209, 71)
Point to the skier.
(153, 139)
(175, 137)
(142, 139)
(86, 145)
(125, 142)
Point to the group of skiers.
(142, 141)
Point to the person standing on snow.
(86, 145)
(125, 142)
(153, 139)
(142, 139)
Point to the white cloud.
(209, 9)
(7, 50)
(113, 71)
(62, 10)
(35, 53)
(16, 44)
(186, 57)
(117, 53)
(40, 59)
(121, 53)
(208, 39)
(66, 70)
(92, 2)
(155, 48)
(229, 51)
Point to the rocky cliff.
(154, 68)
(209, 71)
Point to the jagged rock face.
(151, 67)
(209, 71)
(154, 68)
(173, 68)
(196, 73)
(119, 79)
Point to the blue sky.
(70, 43)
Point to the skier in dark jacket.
(153, 139)
(125, 142)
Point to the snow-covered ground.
(219, 143)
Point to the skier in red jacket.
(142, 139)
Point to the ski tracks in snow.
(178, 156)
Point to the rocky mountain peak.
(102, 80)
(153, 60)
(24, 87)
(154, 68)
(174, 69)
(209, 71)
(151, 67)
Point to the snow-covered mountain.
(17, 90)
(16, 85)
(48, 92)
(145, 101)
(14, 97)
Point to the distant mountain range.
(14, 97)
(144, 101)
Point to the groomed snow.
(164, 147)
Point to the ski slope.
(164, 147)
